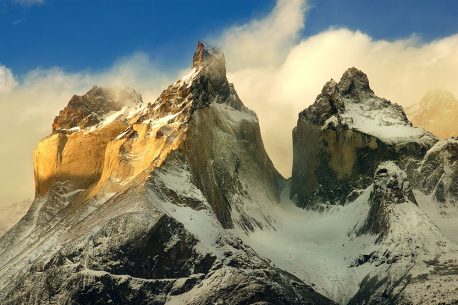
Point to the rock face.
(390, 187)
(438, 172)
(341, 138)
(436, 112)
(408, 253)
(91, 108)
(73, 155)
(135, 202)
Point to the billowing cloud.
(264, 42)
(7, 80)
(401, 70)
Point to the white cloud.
(266, 41)
(29, 2)
(7, 80)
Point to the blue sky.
(81, 35)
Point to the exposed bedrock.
(341, 139)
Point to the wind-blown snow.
(384, 123)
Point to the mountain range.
(177, 202)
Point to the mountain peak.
(352, 104)
(348, 117)
(209, 56)
(354, 81)
(91, 108)
(210, 62)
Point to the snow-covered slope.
(382, 248)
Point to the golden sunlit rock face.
(107, 139)
(106, 155)
(77, 157)
(436, 112)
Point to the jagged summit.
(344, 135)
(209, 63)
(354, 81)
(204, 84)
(94, 106)
(351, 104)
(206, 55)
(354, 84)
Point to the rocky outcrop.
(436, 112)
(91, 108)
(405, 240)
(390, 187)
(74, 154)
(438, 172)
(341, 139)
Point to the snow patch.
(382, 122)
(234, 115)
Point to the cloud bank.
(275, 71)
(7, 81)
(279, 77)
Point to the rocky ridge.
(438, 172)
(340, 140)
(177, 202)
(134, 204)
